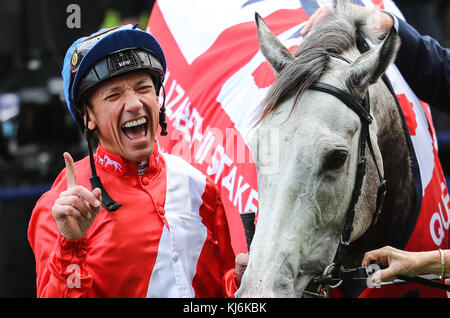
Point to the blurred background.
(36, 128)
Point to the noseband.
(362, 109)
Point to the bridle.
(335, 272)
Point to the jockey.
(127, 221)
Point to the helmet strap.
(162, 114)
(107, 202)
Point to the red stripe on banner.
(431, 130)
(233, 49)
(260, 78)
(408, 113)
(379, 4)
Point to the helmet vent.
(123, 60)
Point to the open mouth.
(136, 129)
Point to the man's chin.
(140, 154)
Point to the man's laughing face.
(125, 113)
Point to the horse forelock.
(337, 34)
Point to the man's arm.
(425, 65)
(61, 262)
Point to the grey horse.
(303, 203)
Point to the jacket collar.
(117, 165)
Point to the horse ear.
(273, 50)
(371, 65)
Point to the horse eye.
(335, 160)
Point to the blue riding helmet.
(105, 54)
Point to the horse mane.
(337, 33)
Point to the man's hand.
(241, 261)
(315, 18)
(77, 207)
(379, 21)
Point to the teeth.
(135, 123)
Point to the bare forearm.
(430, 262)
(399, 262)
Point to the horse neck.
(400, 197)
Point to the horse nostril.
(284, 282)
(283, 286)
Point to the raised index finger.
(71, 173)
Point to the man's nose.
(132, 101)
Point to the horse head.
(313, 139)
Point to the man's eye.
(112, 96)
(144, 89)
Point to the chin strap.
(107, 202)
(162, 114)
